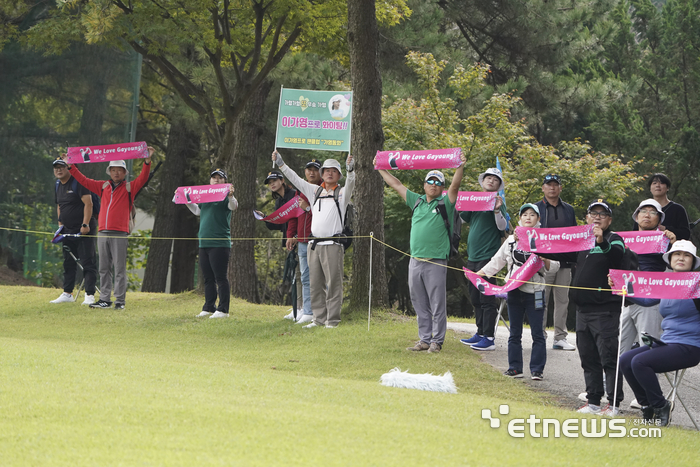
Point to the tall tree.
(367, 139)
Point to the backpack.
(132, 211)
(455, 234)
(344, 238)
(95, 198)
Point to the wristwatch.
(84, 225)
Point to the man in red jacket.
(117, 201)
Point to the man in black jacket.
(675, 216)
(556, 213)
(597, 309)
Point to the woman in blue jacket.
(680, 342)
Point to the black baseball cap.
(58, 162)
(219, 172)
(551, 178)
(274, 175)
(313, 163)
(600, 202)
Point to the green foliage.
(137, 256)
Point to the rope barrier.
(371, 236)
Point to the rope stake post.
(369, 305)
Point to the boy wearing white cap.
(117, 201)
(430, 250)
(325, 254)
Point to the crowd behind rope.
(672, 325)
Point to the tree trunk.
(367, 139)
(170, 219)
(241, 148)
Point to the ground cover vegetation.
(153, 385)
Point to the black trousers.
(84, 249)
(485, 306)
(214, 265)
(596, 340)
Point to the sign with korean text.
(533, 264)
(288, 211)
(108, 152)
(320, 120)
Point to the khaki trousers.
(561, 301)
(326, 269)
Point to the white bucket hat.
(683, 245)
(496, 173)
(332, 164)
(121, 164)
(653, 203)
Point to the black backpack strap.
(443, 212)
(416, 205)
(317, 195)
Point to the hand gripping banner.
(109, 152)
(642, 284)
(290, 210)
(419, 160)
(201, 194)
(557, 240)
(645, 242)
(522, 275)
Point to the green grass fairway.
(153, 385)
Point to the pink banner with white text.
(109, 152)
(644, 242)
(641, 284)
(522, 275)
(558, 240)
(201, 194)
(419, 160)
(290, 210)
(476, 200)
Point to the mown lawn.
(153, 385)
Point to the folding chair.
(675, 382)
(501, 307)
(82, 281)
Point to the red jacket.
(300, 227)
(114, 204)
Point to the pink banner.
(419, 160)
(201, 193)
(476, 200)
(290, 210)
(644, 242)
(109, 152)
(522, 275)
(559, 240)
(641, 284)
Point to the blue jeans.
(520, 303)
(305, 282)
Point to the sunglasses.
(550, 178)
(434, 182)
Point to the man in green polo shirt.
(430, 250)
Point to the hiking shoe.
(484, 344)
(219, 314)
(204, 314)
(513, 373)
(635, 405)
(101, 304)
(563, 345)
(420, 346)
(89, 300)
(610, 411)
(537, 376)
(305, 319)
(310, 325)
(63, 298)
(472, 340)
(435, 347)
(663, 414)
(589, 409)
(119, 306)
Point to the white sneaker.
(563, 345)
(204, 314)
(584, 397)
(635, 405)
(64, 297)
(610, 411)
(290, 315)
(305, 319)
(590, 409)
(89, 300)
(331, 326)
(310, 325)
(219, 314)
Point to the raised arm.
(453, 191)
(394, 182)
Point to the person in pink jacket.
(116, 203)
